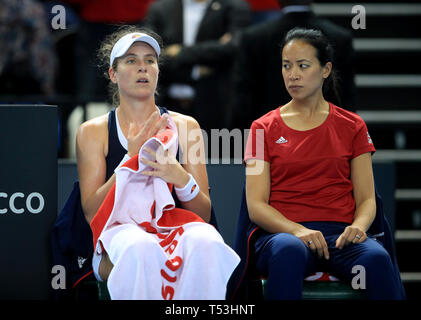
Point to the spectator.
(27, 58)
(264, 10)
(199, 35)
(258, 85)
(64, 25)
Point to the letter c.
(12, 202)
(3, 195)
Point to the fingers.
(160, 161)
(325, 250)
(340, 242)
(319, 247)
(152, 119)
(351, 234)
(153, 125)
(159, 125)
(145, 127)
(161, 156)
(317, 244)
(150, 163)
(358, 238)
(134, 131)
(168, 169)
(151, 152)
(345, 238)
(138, 135)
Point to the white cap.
(124, 43)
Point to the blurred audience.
(200, 37)
(264, 10)
(28, 61)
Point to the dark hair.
(106, 47)
(324, 53)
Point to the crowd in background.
(221, 57)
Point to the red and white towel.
(158, 251)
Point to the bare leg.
(105, 266)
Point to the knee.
(376, 259)
(202, 237)
(287, 247)
(141, 243)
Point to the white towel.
(158, 251)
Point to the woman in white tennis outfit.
(143, 260)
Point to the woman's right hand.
(139, 134)
(314, 240)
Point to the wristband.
(126, 158)
(189, 191)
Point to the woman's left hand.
(165, 166)
(351, 234)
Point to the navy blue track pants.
(285, 260)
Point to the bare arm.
(365, 201)
(195, 164)
(92, 167)
(363, 182)
(270, 219)
(260, 211)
